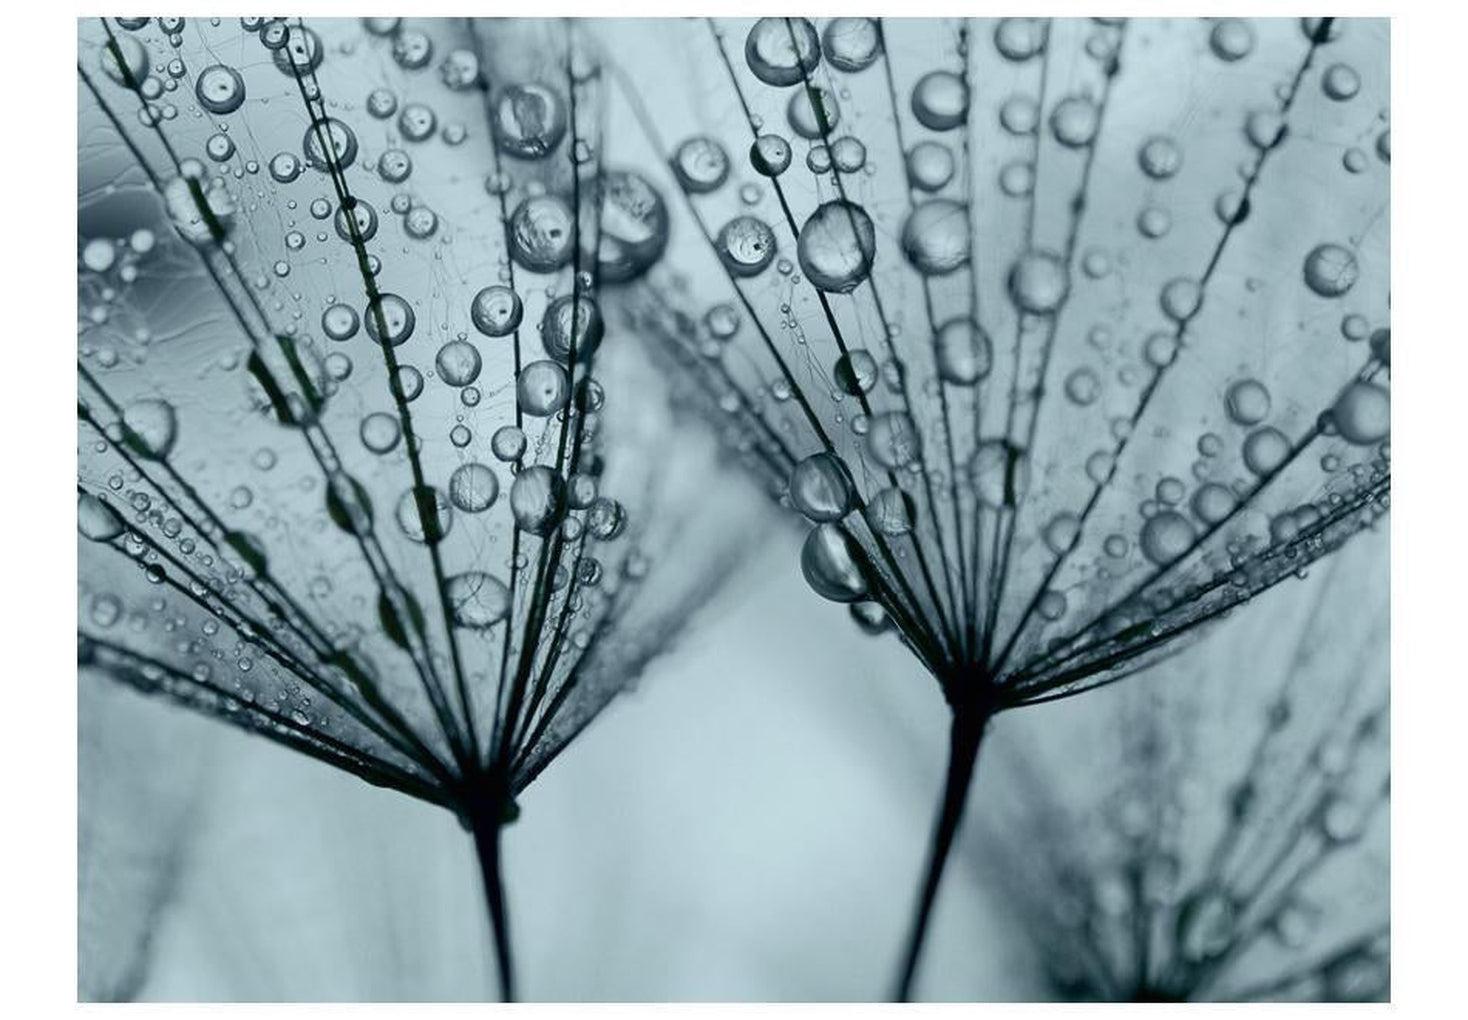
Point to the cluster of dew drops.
(836, 248)
(529, 122)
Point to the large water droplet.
(537, 499)
(529, 121)
(150, 428)
(96, 520)
(543, 388)
(820, 488)
(478, 600)
(935, 237)
(1363, 413)
(963, 352)
(836, 246)
(782, 51)
(219, 89)
(1330, 270)
(831, 562)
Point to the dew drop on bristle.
(935, 237)
(478, 600)
(746, 246)
(836, 246)
(813, 112)
(831, 562)
(820, 489)
(940, 100)
(1231, 39)
(855, 372)
(458, 363)
(633, 227)
(219, 89)
(97, 520)
(1248, 402)
(1265, 449)
(701, 165)
(964, 352)
(496, 311)
(1039, 282)
(1165, 536)
(508, 443)
(389, 319)
(782, 51)
(1331, 270)
(1362, 413)
(542, 389)
(541, 233)
(930, 166)
(538, 499)
(851, 44)
(151, 428)
(529, 121)
(770, 155)
(893, 439)
(572, 319)
(410, 515)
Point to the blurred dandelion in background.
(1238, 850)
(362, 467)
(1064, 336)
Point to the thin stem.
(967, 732)
(486, 824)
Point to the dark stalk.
(969, 723)
(486, 819)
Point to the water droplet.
(537, 498)
(701, 164)
(1330, 270)
(1265, 449)
(1075, 121)
(458, 363)
(837, 246)
(770, 155)
(851, 44)
(380, 432)
(782, 51)
(1248, 402)
(389, 318)
(151, 426)
(219, 89)
(496, 311)
(541, 233)
(543, 388)
(96, 520)
(1019, 39)
(963, 351)
(813, 112)
(820, 488)
(746, 245)
(940, 100)
(1039, 282)
(508, 443)
(478, 600)
(893, 439)
(1160, 158)
(1231, 39)
(529, 121)
(633, 228)
(1362, 413)
(831, 562)
(935, 237)
(1166, 535)
(929, 166)
(426, 506)
(572, 317)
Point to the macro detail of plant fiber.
(431, 374)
